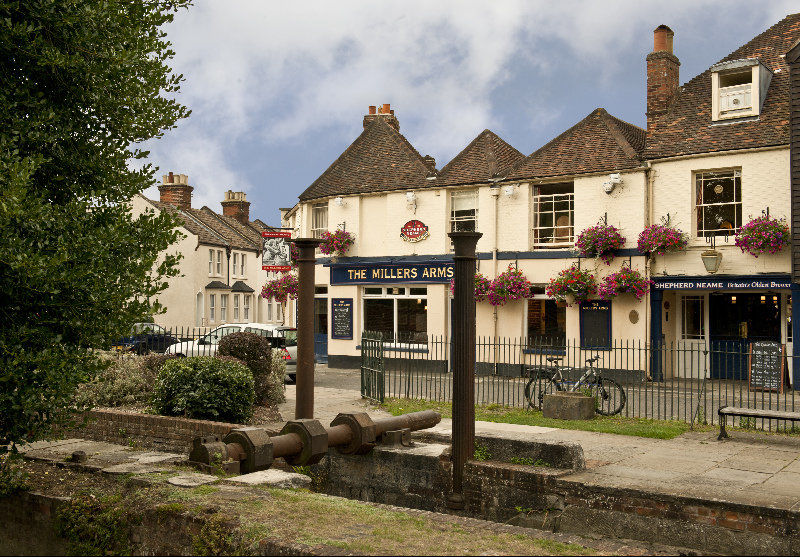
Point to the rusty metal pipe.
(413, 421)
(339, 435)
(287, 444)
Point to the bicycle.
(609, 396)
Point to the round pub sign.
(414, 231)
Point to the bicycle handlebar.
(592, 360)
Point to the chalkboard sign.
(342, 317)
(766, 369)
(595, 325)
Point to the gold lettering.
(376, 273)
(449, 272)
(362, 274)
(406, 272)
(413, 273)
(425, 273)
(350, 273)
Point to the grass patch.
(620, 425)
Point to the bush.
(124, 381)
(255, 352)
(205, 388)
(153, 362)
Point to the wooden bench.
(753, 413)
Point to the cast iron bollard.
(304, 404)
(302, 442)
(463, 360)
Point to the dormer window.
(738, 88)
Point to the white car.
(280, 337)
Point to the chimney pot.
(171, 178)
(386, 108)
(662, 39)
(236, 206)
(176, 192)
(372, 110)
(663, 75)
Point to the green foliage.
(254, 351)
(205, 388)
(84, 83)
(215, 538)
(482, 453)
(524, 460)
(12, 476)
(93, 526)
(126, 380)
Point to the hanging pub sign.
(414, 231)
(277, 255)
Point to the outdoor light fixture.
(411, 200)
(711, 260)
(613, 180)
(509, 190)
(339, 201)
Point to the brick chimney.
(384, 112)
(662, 74)
(175, 190)
(237, 206)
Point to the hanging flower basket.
(508, 286)
(281, 289)
(294, 253)
(624, 281)
(658, 239)
(336, 243)
(575, 283)
(600, 241)
(763, 235)
(481, 287)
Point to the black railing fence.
(686, 381)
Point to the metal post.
(463, 360)
(304, 405)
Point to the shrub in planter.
(572, 282)
(763, 235)
(336, 243)
(482, 285)
(203, 387)
(255, 352)
(659, 239)
(600, 241)
(508, 286)
(624, 281)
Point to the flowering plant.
(337, 242)
(580, 284)
(660, 239)
(281, 289)
(600, 241)
(763, 235)
(624, 281)
(482, 285)
(509, 285)
(294, 253)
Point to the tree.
(82, 83)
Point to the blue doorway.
(321, 330)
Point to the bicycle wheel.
(609, 397)
(535, 390)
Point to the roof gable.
(380, 159)
(486, 157)
(687, 128)
(598, 143)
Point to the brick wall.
(160, 433)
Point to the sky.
(278, 89)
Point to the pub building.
(704, 165)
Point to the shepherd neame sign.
(391, 273)
(718, 283)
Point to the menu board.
(342, 318)
(766, 369)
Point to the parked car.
(282, 339)
(146, 338)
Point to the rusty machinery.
(302, 442)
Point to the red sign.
(277, 255)
(414, 231)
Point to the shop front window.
(398, 313)
(547, 322)
(693, 311)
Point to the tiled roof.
(380, 159)
(214, 229)
(686, 127)
(487, 156)
(598, 143)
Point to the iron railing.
(686, 381)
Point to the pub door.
(321, 330)
(735, 321)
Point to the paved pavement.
(750, 468)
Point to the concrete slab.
(273, 478)
(783, 483)
(133, 468)
(636, 472)
(753, 463)
(192, 480)
(735, 477)
(149, 458)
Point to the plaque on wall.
(342, 318)
(414, 231)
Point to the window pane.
(418, 291)
(547, 323)
(553, 210)
(321, 316)
(379, 317)
(412, 320)
(693, 320)
(395, 291)
(373, 291)
(719, 202)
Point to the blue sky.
(278, 89)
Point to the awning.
(217, 285)
(240, 286)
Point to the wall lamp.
(411, 200)
(339, 201)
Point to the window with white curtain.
(236, 307)
(464, 211)
(319, 220)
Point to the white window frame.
(223, 307)
(235, 264)
(539, 296)
(693, 298)
(319, 219)
(242, 268)
(278, 312)
(219, 262)
(269, 311)
(211, 262)
(463, 197)
(236, 307)
(212, 308)
(699, 206)
(384, 295)
(538, 201)
(247, 308)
